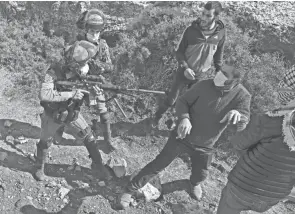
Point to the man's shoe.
(196, 192)
(125, 199)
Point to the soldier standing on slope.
(62, 107)
(92, 22)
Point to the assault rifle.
(105, 86)
(92, 80)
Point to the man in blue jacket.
(201, 44)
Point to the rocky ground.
(71, 190)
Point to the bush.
(144, 57)
(26, 53)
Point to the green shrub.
(26, 53)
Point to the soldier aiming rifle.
(62, 106)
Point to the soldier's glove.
(97, 90)
(79, 94)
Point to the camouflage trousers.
(49, 127)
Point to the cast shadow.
(139, 129)
(77, 194)
(17, 128)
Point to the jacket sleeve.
(181, 48)
(48, 93)
(103, 58)
(243, 107)
(218, 56)
(187, 100)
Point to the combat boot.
(42, 152)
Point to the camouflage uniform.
(61, 110)
(98, 64)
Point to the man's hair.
(214, 5)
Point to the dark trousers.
(234, 200)
(174, 147)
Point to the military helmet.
(94, 20)
(80, 52)
(91, 19)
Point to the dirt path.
(78, 191)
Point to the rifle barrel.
(147, 91)
(109, 87)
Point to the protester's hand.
(233, 116)
(79, 94)
(97, 90)
(184, 128)
(189, 74)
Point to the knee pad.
(85, 132)
(90, 137)
(45, 144)
(105, 117)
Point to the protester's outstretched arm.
(243, 107)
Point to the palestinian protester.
(62, 106)
(201, 44)
(92, 23)
(204, 112)
(265, 172)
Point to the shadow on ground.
(77, 194)
(17, 128)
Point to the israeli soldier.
(92, 23)
(61, 106)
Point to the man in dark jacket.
(201, 44)
(265, 172)
(204, 112)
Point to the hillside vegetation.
(142, 37)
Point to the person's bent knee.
(86, 134)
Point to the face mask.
(92, 37)
(84, 70)
(220, 79)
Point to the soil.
(78, 191)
